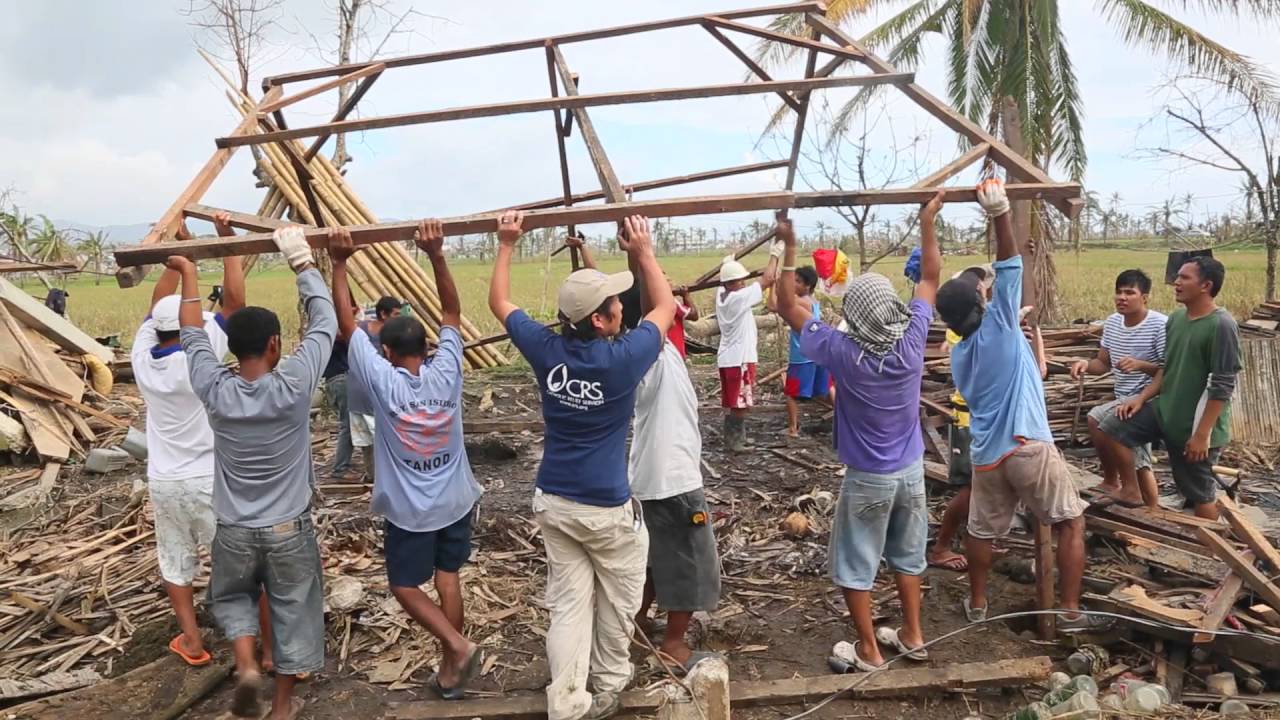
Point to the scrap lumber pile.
(50, 374)
(1264, 322)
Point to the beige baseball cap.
(585, 290)
(985, 269)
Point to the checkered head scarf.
(876, 316)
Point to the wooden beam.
(33, 314)
(884, 683)
(955, 167)
(21, 267)
(1045, 589)
(655, 184)
(811, 44)
(346, 109)
(562, 132)
(797, 137)
(534, 44)
(742, 252)
(1249, 534)
(1242, 566)
(1018, 166)
(244, 221)
(214, 247)
(751, 64)
(580, 101)
(1219, 606)
(325, 86)
(164, 229)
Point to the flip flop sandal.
(204, 658)
(459, 691)
(844, 659)
(888, 637)
(957, 563)
(1107, 500)
(973, 614)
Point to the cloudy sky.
(109, 111)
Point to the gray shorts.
(284, 561)
(1196, 481)
(879, 516)
(1141, 453)
(683, 560)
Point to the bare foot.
(244, 699)
(287, 713)
(792, 432)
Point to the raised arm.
(309, 357)
(930, 254)
(687, 298)
(654, 287)
(770, 275)
(430, 239)
(995, 202)
(791, 311)
(577, 241)
(167, 284)
(233, 295)
(341, 249)
(510, 227)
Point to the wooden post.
(708, 682)
(1045, 599)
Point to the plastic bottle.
(1089, 659)
(1129, 685)
(1142, 700)
(1081, 705)
(1058, 679)
(1077, 684)
(1111, 703)
(1034, 711)
(1232, 706)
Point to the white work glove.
(292, 242)
(776, 249)
(992, 198)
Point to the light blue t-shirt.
(996, 372)
(422, 478)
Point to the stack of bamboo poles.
(377, 270)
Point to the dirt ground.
(779, 618)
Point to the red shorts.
(736, 386)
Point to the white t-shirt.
(666, 447)
(737, 325)
(179, 439)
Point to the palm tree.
(50, 244)
(93, 248)
(1009, 67)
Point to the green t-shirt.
(1202, 358)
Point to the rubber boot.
(734, 436)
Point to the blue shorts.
(879, 516)
(413, 557)
(806, 381)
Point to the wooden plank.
(955, 167)
(1242, 566)
(59, 330)
(21, 267)
(48, 613)
(1111, 528)
(562, 103)
(1248, 533)
(751, 64)
(813, 44)
(1219, 606)
(325, 86)
(562, 132)
(578, 198)
(1157, 553)
(244, 221)
(347, 107)
(253, 244)
(536, 43)
(1135, 599)
(1046, 598)
(885, 683)
(604, 169)
(166, 227)
(47, 684)
(797, 136)
(1016, 164)
(1252, 649)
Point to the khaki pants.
(595, 579)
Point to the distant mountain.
(116, 234)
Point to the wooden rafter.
(656, 184)
(205, 248)
(812, 43)
(342, 113)
(957, 166)
(747, 60)
(325, 86)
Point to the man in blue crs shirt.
(422, 483)
(597, 545)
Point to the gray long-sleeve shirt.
(262, 429)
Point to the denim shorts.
(284, 561)
(879, 516)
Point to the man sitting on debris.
(263, 476)
(666, 477)
(881, 510)
(180, 443)
(1188, 403)
(737, 355)
(423, 486)
(359, 406)
(591, 525)
(1132, 350)
(1014, 458)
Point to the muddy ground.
(780, 615)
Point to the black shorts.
(413, 557)
(683, 560)
(960, 469)
(1195, 480)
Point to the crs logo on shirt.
(571, 391)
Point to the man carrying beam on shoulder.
(423, 486)
(1014, 458)
(263, 475)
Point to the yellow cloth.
(957, 400)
